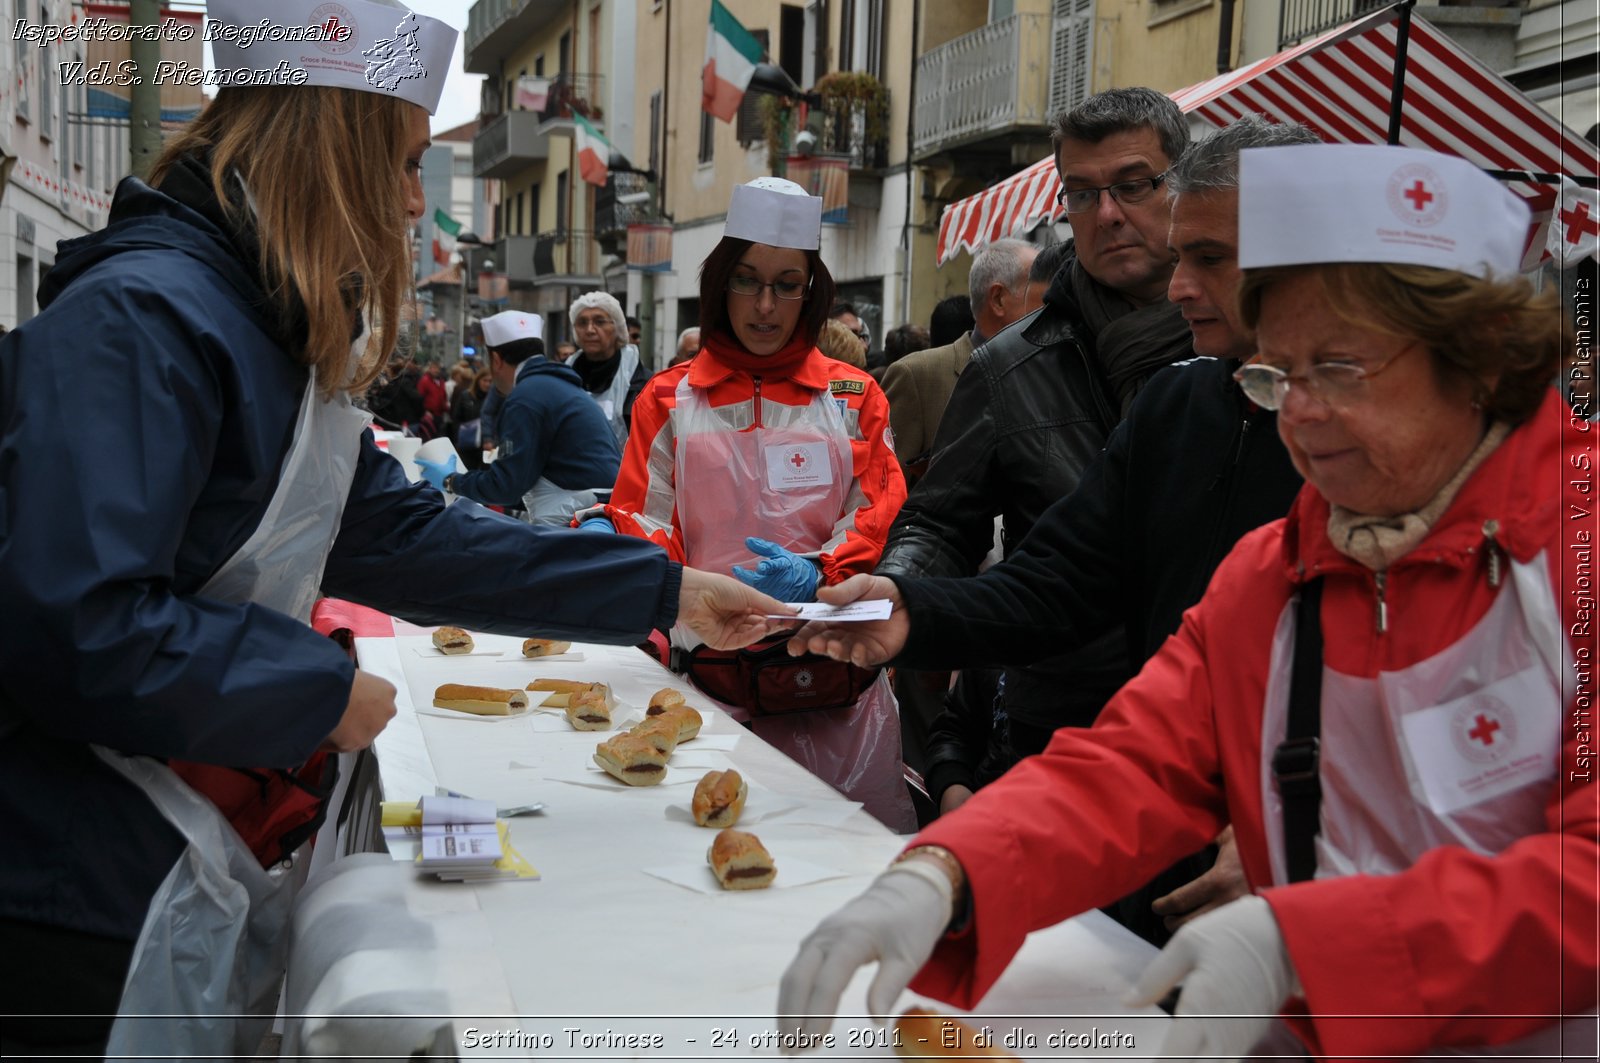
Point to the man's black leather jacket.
(1026, 418)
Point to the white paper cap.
(371, 45)
(1314, 203)
(511, 325)
(776, 212)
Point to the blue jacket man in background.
(555, 450)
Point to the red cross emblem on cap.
(1578, 223)
(1419, 195)
(1483, 729)
(798, 460)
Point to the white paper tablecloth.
(599, 950)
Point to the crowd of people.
(1229, 562)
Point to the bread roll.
(663, 699)
(452, 640)
(631, 759)
(659, 730)
(544, 647)
(740, 861)
(926, 1034)
(688, 720)
(719, 799)
(590, 709)
(481, 701)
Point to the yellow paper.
(401, 814)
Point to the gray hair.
(1212, 164)
(1121, 111)
(685, 334)
(999, 263)
(604, 301)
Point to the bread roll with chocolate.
(662, 732)
(926, 1034)
(687, 719)
(544, 647)
(631, 759)
(740, 861)
(663, 699)
(590, 710)
(719, 799)
(481, 701)
(452, 640)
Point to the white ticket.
(876, 609)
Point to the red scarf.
(730, 352)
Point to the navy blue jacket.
(144, 418)
(548, 427)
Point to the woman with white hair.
(608, 364)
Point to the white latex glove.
(896, 922)
(1232, 963)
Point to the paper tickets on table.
(875, 609)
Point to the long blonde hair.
(324, 168)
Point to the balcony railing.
(565, 256)
(845, 123)
(513, 256)
(612, 218)
(1300, 20)
(508, 143)
(571, 94)
(495, 27)
(984, 84)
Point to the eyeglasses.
(1331, 383)
(743, 284)
(863, 334)
(1082, 200)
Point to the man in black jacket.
(1036, 403)
(1193, 467)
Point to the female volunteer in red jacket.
(1443, 892)
(763, 452)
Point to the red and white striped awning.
(1338, 85)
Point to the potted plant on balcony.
(855, 116)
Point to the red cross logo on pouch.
(1483, 729)
(1579, 224)
(1419, 195)
(798, 460)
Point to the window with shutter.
(1071, 53)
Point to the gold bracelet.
(947, 859)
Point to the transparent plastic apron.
(787, 481)
(613, 401)
(213, 942)
(548, 504)
(1459, 749)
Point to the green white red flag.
(594, 152)
(445, 231)
(732, 53)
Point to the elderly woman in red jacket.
(1388, 694)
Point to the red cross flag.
(1575, 225)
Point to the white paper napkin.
(792, 873)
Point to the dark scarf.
(730, 352)
(596, 376)
(1131, 341)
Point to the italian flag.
(445, 231)
(731, 58)
(594, 151)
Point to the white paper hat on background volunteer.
(371, 45)
(1320, 203)
(511, 325)
(776, 212)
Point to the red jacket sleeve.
(644, 500)
(876, 495)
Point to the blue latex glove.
(598, 524)
(785, 576)
(435, 471)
